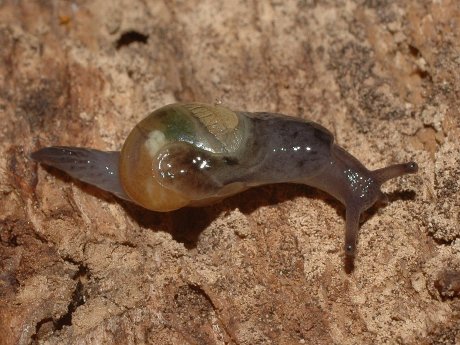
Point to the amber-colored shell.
(149, 168)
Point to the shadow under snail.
(193, 154)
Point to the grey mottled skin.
(284, 149)
(279, 149)
(99, 168)
(293, 150)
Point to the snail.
(193, 154)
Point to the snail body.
(193, 154)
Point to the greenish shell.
(170, 154)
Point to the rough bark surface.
(78, 266)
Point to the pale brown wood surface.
(78, 266)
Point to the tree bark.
(79, 266)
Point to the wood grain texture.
(78, 266)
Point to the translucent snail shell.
(178, 153)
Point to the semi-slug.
(193, 154)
